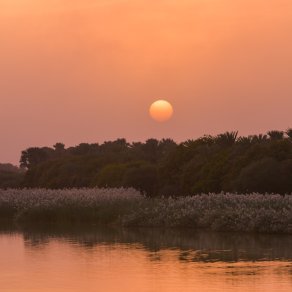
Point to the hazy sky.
(77, 71)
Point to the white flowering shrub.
(221, 212)
(69, 205)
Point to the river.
(143, 260)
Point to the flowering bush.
(69, 206)
(220, 212)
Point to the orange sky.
(86, 71)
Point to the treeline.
(10, 175)
(226, 162)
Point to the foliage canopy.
(226, 162)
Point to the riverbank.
(256, 213)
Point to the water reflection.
(193, 245)
(109, 259)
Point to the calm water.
(143, 260)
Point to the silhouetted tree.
(59, 147)
(33, 156)
(276, 135)
(245, 140)
(227, 138)
(259, 138)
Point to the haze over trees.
(10, 175)
(226, 162)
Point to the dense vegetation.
(127, 207)
(10, 175)
(226, 162)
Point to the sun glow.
(161, 110)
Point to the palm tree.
(227, 138)
(245, 140)
(276, 135)
(259, 138)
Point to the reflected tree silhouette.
(191, 245)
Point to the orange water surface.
(120, 260)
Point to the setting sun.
(161, 110)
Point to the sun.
(161, 110)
